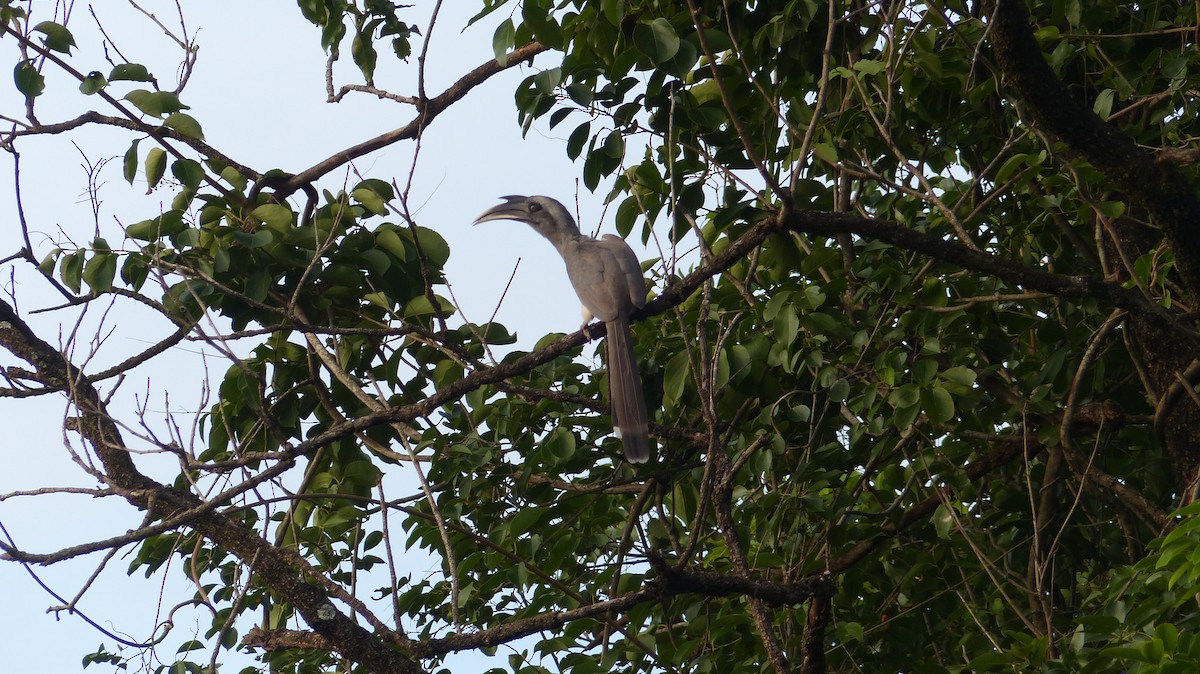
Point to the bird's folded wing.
(628, 268)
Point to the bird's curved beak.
(513, 208)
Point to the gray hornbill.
(608, 279)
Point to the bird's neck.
(563, 237)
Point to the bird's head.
(546, 216)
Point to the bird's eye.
(534, 208)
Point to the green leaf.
(559, 115)
(627, 214)
(375, 261)
(525, 520)
(613, 10)
(656, 39)
(132, 72)
(370, 200)
(387, 239)
(560, 443)
(46, 266)
(1104, 103)
(869, 66)
(381, 187)
(184, 124)
(379, 299)
(938, 404)
(130, 162)
(433, 247)
(362, 50)
(614, 148)
(503, 41)
(581, 94)
(186, 299)
(924, 370)
(905, 396)
(839, 390)
(188, 172)
(155, 103)
(548, 80)
(156, 166)
(100, 272)
(578, 139)
(421, 306)
(92, 83)
(235, 179)
(183, 199)
(70, 270)
(168, 224)
(707, 91)
(256, 239)
(681, 64)
(497, 334)
(1010, 167)
(959, 374)
(826, 152)
(258, 285)
(446, 372)
(943, 520)
(676, 376)
(57, 37)
(1001, 661)
(277, 216)
(29, 81)
(545, 29)
(786, 325)
(1111, 209)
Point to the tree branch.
(951, 252)
(426, 112)
(672, 582)
(283, 571)
(132, 124)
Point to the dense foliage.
(921, 357)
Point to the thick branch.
(813, 642)
(681, 581)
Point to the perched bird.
(608, 279)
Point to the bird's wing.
(630, 269)
(600, 271)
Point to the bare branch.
(431, 109)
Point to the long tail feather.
(625, 391)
